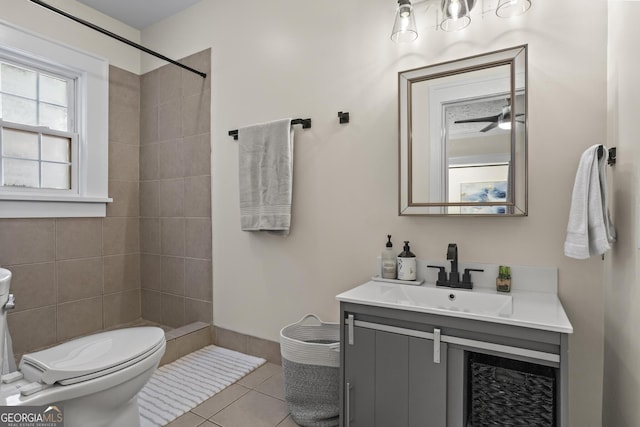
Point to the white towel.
(589, 231)
(266, 176)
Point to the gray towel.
(589, 230)
(266, 176)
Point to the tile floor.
(257, 400)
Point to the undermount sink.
(430, 297)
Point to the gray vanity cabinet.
(391, 379)
(403, 369)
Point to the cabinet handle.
(436, 346)
(350, 322)
(347, 407)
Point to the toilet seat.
(90, 357)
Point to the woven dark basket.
(510, 393)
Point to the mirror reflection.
(463, 136)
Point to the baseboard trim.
(247, 344)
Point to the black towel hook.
(612, 154)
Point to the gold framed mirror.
(463, 136)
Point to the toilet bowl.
(95, 379)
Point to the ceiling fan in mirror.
(501, 120)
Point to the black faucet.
(454, 276)
(452, 255)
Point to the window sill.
(14, 206)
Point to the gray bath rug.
(180, 386)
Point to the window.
(38, 138)
(53, 128)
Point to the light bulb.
(455, 15)
(454, 9)
(404, 28)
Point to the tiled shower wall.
(175, 193)
(76, 276)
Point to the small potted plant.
(503, 281)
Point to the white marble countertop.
(530, 309)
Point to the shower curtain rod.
(117, 37)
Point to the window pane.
(56, 148)
(18, 81)
(20, 173)
(19, 110)
(53, 90)
(56, 176)
(53, 117)
(17, 143)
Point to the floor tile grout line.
(282, 420)
(208, 421)
(269, 395)
(225, 406)
(245, 396)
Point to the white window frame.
(40, 132)
(89, 195)
(72, 79)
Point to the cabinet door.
(392, 380)
(359, 387)
(427, 384)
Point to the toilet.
(96, 379)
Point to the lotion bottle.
(406, 264)
(389, 262)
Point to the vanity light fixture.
(404, 27)
(451, 15)
(455, 15)
(509, 8)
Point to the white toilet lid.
(95, 355)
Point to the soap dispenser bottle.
(389, 262)
(406, 264)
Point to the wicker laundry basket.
(310, 352)
(506, 392)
